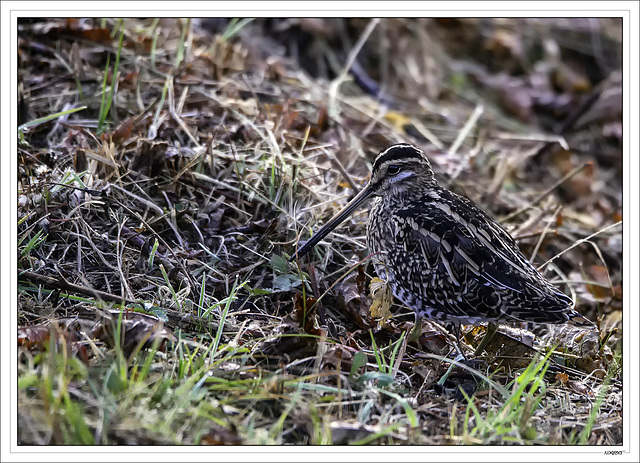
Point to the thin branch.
(579, 242)
(547, 192)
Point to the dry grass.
(156, 303)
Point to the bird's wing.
(459, 257)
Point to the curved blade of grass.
(235, 25)
(173, 293)
(223, 316)
(105, 106)
(152, 254)
(33, 243)
(48, 118)
(411, 415)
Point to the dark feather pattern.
(459, 266)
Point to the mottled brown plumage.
(442, 255)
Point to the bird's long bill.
(335, 221)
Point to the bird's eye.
(393, 170)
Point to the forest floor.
(167, 169)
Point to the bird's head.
(398, 170)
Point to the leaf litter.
(225, 143)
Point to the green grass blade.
(42, 120)
(106, 102)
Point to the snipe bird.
(443, 256)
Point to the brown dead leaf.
(503, 44)
(74, 27)
(580, 184)
(225, 57)
(581, 388)
(123, 131)
(617, 216)
(432, 340)
(338, 356)
(562, 378)
(599, 274)
(34, 336)
(129, 81)
(137, 329)
(88, 32)
(584, 344)
(570, 79)
(305, 314)
(69, 333)
(559, 219)
(352, 301)
(382, 299)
